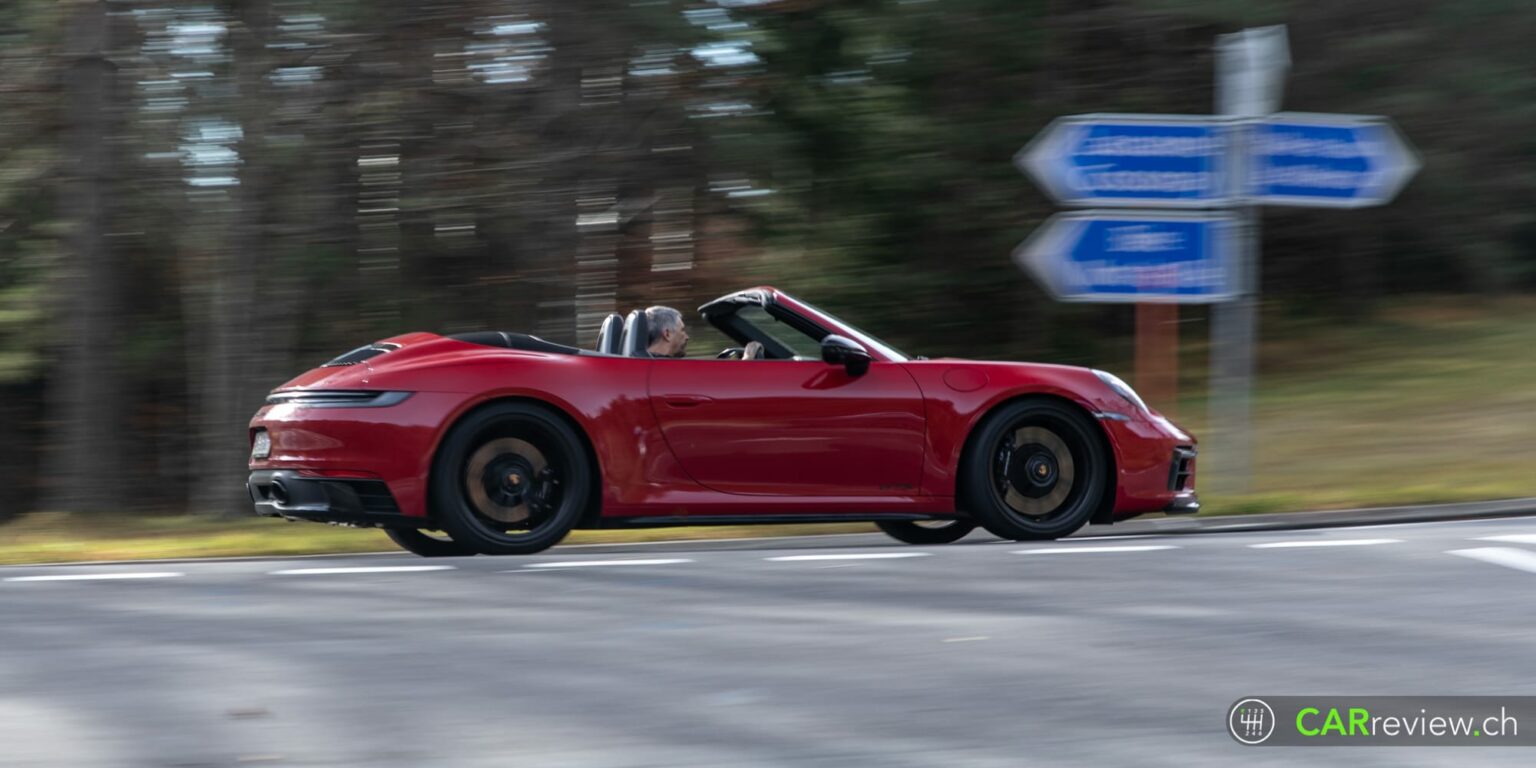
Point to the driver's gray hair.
(660, 319)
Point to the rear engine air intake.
(362, 353)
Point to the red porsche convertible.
(501, 443)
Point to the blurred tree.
(239, 273)
(83, 470)
(29, 239)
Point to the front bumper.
(1181, 481)
(1155, 460)
(348, 501)
(1184, 504)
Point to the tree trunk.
(234, 351)
(83, 472)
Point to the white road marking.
(1074, 549)
(846, 556)
(590, 563)
(362, 569)
(1513, 538)
(98, 576)
(1323, 543)
(1519, 559)
(970, 639)
(1426, 523)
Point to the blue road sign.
(1163, 161)
(1134, 256)
(1331, 161)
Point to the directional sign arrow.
(1330, 161)
(1134, 256)
(1132, 160)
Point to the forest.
(199, 200)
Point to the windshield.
(786, 336)
(867, 340)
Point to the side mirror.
(840, 350)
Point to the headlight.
(1122, 389)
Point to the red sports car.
(501, 443)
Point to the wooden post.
(1157, 356)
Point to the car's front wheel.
(927, 531)
(511, 479)
(427, 545)
(1037, 469)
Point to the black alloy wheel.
(511, 479)
(1036, 469)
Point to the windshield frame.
(801, 316)
(841, 327)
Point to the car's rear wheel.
(511, 479)
(427, 545)
(1036, 469)
(927, 531)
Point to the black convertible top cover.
(509, 340)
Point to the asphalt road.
(846, 651)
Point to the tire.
(511, 479)
(427, 545)
(1037, 469)
(927, 531)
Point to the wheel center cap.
(1041, 470)
(508, 480)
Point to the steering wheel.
(731, 353)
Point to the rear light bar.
(339, 398)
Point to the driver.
(669, 335)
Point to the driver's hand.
(754, 351)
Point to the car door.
(791, 427)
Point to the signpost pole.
(1234, 333)
(1250, 74)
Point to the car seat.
(637, 335)
(610, 335)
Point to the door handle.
(685, 401)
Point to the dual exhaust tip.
(279, 492)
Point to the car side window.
(787, 336)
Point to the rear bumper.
(348, 501)
(394, 444)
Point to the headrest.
(610, 334)
(637, 335)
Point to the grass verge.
(1432, 401)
